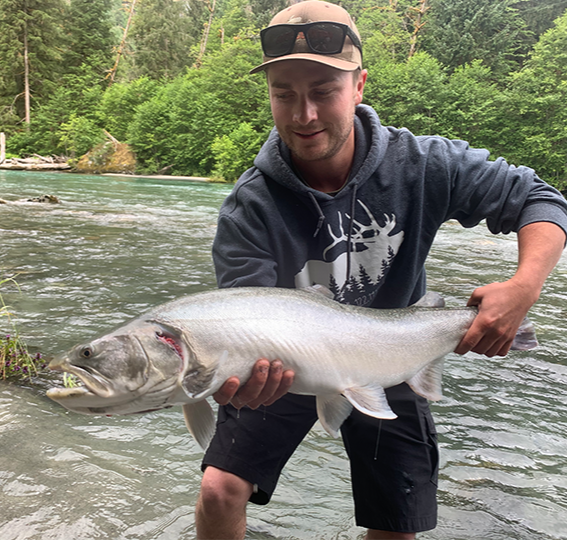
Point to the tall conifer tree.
(90, 35)
(460, 31)
(30, 53)
(163, 32)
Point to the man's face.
(313, 107)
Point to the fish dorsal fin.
(427, 382)
(430, 299)
(200, 421)
(319, 289)
(332, 410)
(525, 338)
(371, 400)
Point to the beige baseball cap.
(310, 11)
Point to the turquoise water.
(115, 247)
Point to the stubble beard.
(336, 141)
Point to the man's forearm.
(540, 246)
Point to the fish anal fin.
(200, 421)
(332, 410)
(427, 382)
(371, 400)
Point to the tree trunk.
(418, 24)
(26, 79)
(2, 147)
(206, 33)
(122, 45)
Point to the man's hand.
(501, 309)
(268, 383)
(503, 306)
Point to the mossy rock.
(108, 157)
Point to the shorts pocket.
(433, 448)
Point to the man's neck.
(328, 175)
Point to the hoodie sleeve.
(240, 260)
(242, 251)
(508, 197)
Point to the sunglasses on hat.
(321, 38)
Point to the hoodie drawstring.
(349, 235)
(319, 211)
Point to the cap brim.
(343, 65)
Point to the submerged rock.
(50, 199)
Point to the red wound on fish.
(171, 342)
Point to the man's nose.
(305, 112)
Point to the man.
(336, 198)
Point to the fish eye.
(86, 352)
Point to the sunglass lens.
(325, 38)
(279, 41)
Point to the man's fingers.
(283, 388)
(271, 386)
(254, 386)
(226, 392)
(485, 340)
(268, 382)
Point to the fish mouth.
(92, 383)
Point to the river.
(116, 246)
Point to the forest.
(170, 77)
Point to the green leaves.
(470, 79)
(180, 124)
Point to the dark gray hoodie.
(368, 243)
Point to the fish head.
(134, 369)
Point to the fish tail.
(525, 337)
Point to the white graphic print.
(373, 249)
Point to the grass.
(15, 360)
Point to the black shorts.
(394, 463)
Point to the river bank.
(9, 165)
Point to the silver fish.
(181, 352)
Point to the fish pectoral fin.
(427, 382)
(200, 421)
(371, 400)
(332, 410)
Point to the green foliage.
(163, 33)
(35, 22)
(538, 16)
(178, 126)
(90, 35)
(460, 31)
(78, 136)
(384, 32)
(120, 102)
(15, 360)
(471, 104)
(78, 95)
(235, 152)
(537, 101)
(408, 94)
(471, 78)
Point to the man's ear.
(359, 86)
